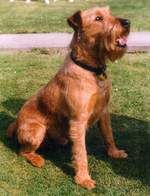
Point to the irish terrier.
(78, 95)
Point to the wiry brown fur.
(75, 98)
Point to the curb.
(137, 41)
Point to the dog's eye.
(98, 18)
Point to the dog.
(78, 95)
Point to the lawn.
(19, 17)
(21, 74)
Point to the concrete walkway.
(138, 41)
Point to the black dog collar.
(96, 70)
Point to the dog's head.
(99, 30)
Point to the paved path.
(138, 41)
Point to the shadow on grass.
(130, 134)
(13, 106)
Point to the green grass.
(19, 17)
(21, 74)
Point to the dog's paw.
(37, 161)
(87, 183)
(33, 158)
(117, 154)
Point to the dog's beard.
(115, 43)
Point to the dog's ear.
(75, 21)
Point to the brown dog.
(78, 95)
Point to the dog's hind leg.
(30, 136)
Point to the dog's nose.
(125, 23)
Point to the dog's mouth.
(121, 42)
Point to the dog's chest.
(99, 100)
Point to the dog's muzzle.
(125, 23)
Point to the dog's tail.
(11, 131)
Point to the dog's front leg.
(77, 136)
(107, 134)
